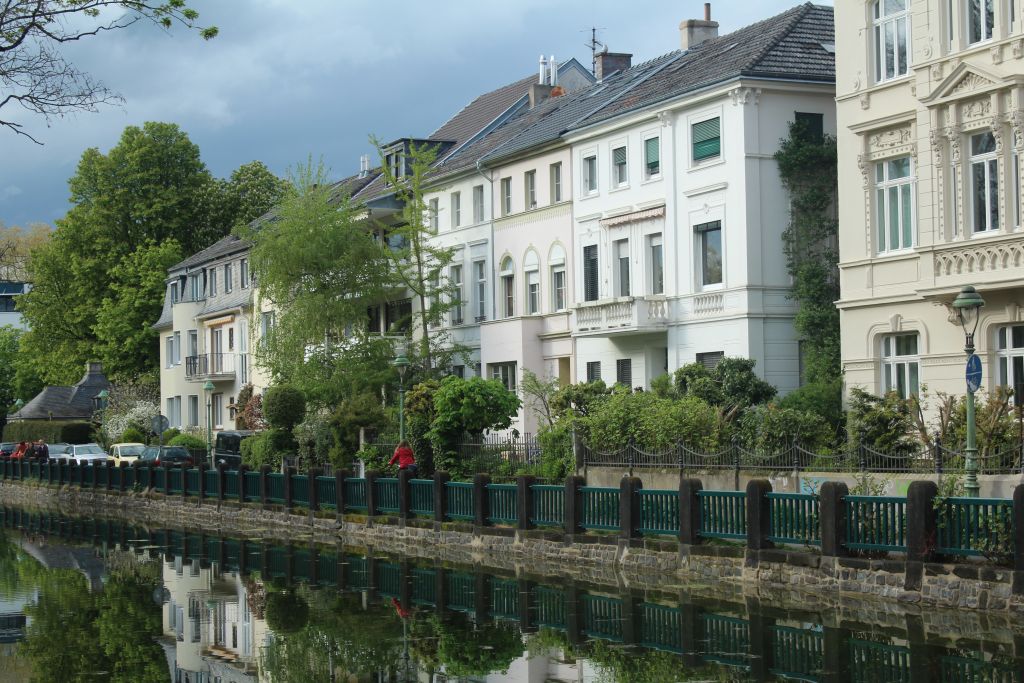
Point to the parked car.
(158, 455)
(126, 453)
(58, 451)
(85, 452)
(228, 448)
(7, 449)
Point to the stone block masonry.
(615, 559)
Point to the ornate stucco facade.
(930, 128)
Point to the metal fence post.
(735, 464)
(937, 454)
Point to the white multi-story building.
(207, 333)
(678, 205)
(931, 129)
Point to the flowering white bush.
(137, 413)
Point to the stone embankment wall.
(792, 575)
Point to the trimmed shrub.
(267, 448)
(188, 441)
(132, 435)
(50, 431)
(170, 434)
(284, 407)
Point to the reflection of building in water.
(210, 632)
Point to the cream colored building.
(208, 332)
(930, 129)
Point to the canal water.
(86, 600)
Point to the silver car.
(86, 452)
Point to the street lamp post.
(401, 363)
(208, 389)
(968, 310)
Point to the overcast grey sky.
(291, 78)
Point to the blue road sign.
(973, 373)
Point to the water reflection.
(91, 599)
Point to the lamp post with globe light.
(967, 305)
(401, 363)
(208, 390)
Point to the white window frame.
(478, 204)
(588, 175)
(985, 29)
(656, 263)
(480, 275)
(433, 212)
(169, 351)
(456, 209)
(193, 410)
(700, 238)
(989, 165)
(556, 182)
(533, 291)
(458, 295)
(177, 348)
(506, 196)
(648, 175)
(620, 166)
(904, 188)
(228, 283)
(530, 189)
(622, 276)
(882, 24)
(1006, 355)
(217, 408)
(558, 290)
(174, 292)
(243, 273)
(211, 281)
(897, 367)
(506, 373)
(508, 287)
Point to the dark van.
(228, 448)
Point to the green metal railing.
(355, 493)
(461, 592)
(191, 482)
(550, 607)
(660, 627)
(275, 488)
(659, 511)
(387, 495)
(389, 579)
(502, 503)
(460, 500)
(599, 508)
(212, 477)
(424, 586)
(876, 523)
(728, 639)
(300, 490)
(602, 617)
(723, 514)
(797, 654)
(794, 518)
(421, 497)
(251, 484)
(872, 662)
(327, 492)
(975, 526)
(504, 599)
(548, 505)
(231, 484)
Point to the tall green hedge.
(50, 431)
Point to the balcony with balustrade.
(217, 366)
(624, 315)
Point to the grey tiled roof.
(222, 247)
(236, 298)
(65, 403)
(788, 45)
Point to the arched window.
(556, 262)
(508, 287)
(531, 268)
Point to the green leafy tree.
(287, 611)
(823, 398)
(361, 411)
(320, 267)
(808, 168)
(884, 423)
(126, 606)
(123, 328)
(653, 423)
(250, 191)
(769, 428)
(99, 281)
(467, 407)
(12, 362)
(731, 385)
(37, 74)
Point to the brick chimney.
(693, 32)
(610, 62)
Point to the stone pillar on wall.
(832, 517)
(758, 514)
(629, 507)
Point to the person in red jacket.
(403, 454)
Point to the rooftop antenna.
(594, 44)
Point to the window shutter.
(593, 371)
(619, 155)
(590, 288)
(651, 155)
(624, 372)
(707, 141)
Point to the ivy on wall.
(807, 165)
